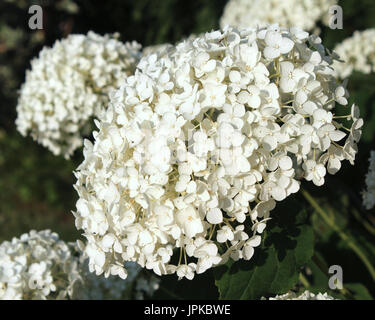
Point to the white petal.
(99, 258)
(286, 45)
(261, 227)
(286, 67)
(82, 207)
(248, 252)
(243, 164)
(285, 163)
(334, 165)
(214, 216)
(254, 241)
(337, 135)
(278, 193)
(271, 53)
(270, 143)
(273, 38)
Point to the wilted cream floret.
(69, 84)
(39, 265)
(369, 193)
(287, 13)
(198, 146)
(307, 295)
(357, 54)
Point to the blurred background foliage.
(36, 187)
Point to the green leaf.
(275, 267)
(359, 291)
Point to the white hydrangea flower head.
(198, 146)
(288, 13)
(39, 265)
(68, 84)
(307, 295)
(357, 53)
(368, 194)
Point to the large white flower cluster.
(307, 295)
(287, 13)
(368, 195)
(357, 53)
(69, 84)
(196, 148)
(39, 265)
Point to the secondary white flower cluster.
(39, 265)
(357, 52)
(196, 147)
(368, 195)
(68, 84)
(287, 13)
(307, 295)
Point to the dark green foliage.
(275, 268)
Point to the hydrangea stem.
(341, 233)
(304, 281)
(365, 224)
